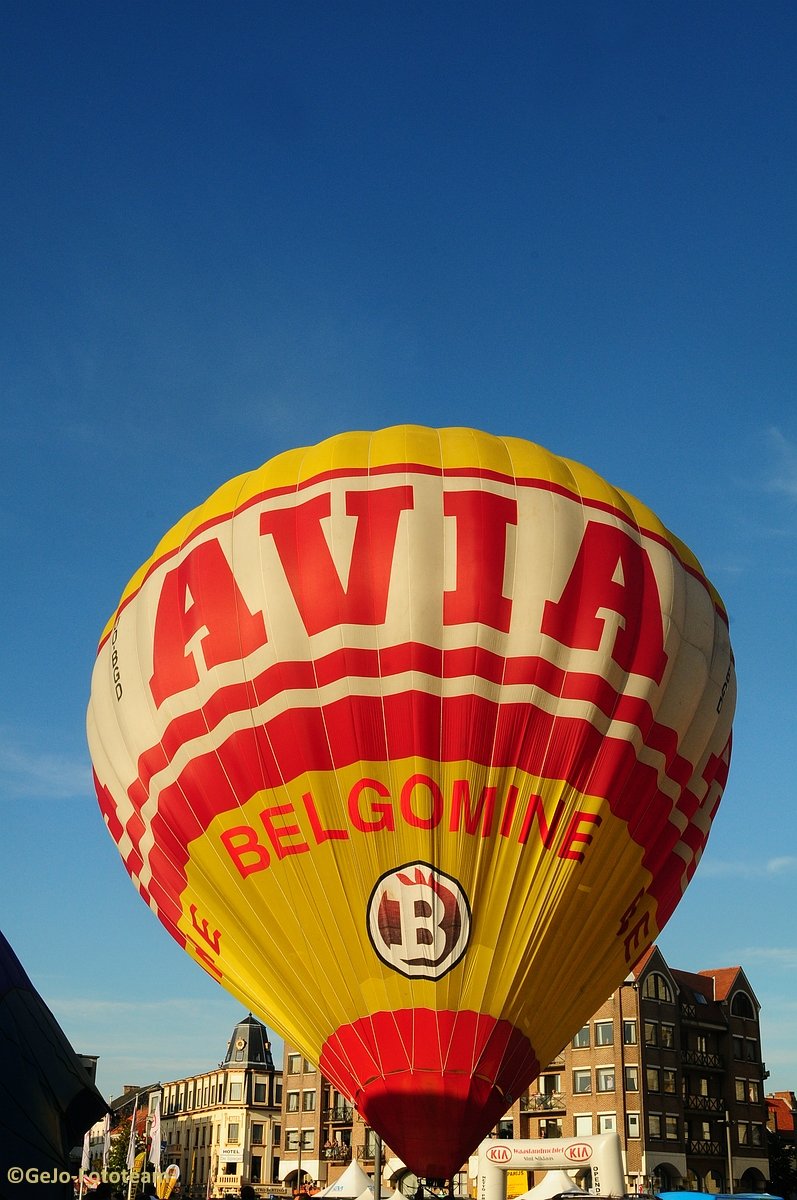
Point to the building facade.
(221, 1127)
(672, 1062)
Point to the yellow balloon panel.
(414, 740)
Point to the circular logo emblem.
(499, 1154)
(419, 921)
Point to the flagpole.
(131, 1150)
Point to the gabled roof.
(782, 1111)
(724, 978)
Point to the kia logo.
(499, 1154)
(579, 1152)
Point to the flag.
(155, 1135)
(85, 1161)
(106, 1140)
(131, 1146)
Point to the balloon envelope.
(413, 740)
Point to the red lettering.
(574, 836)
(320, 597)
(637, 939)
(509, 811)
(200, 600)
(625, 919)
(547, 832)
(207, 962)
(436, 811)
(319, 833)
(482, 518)
(243, 847)
(483, 811)
(612, 572)
(385, 818)
(203, 930)
(278, 834)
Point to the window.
(757, 1135)
(652, 1079)
(700, 998)
(581, 1040)
(629, 1033)
(742, 1005)
(654, 1125)
(294, 1064)
(583, 1125)
(604, 1079)
(291, 1139)
(632, 1079)
(551, 1128)
(651, 1033)
(604, 1033)
(549, 1085)
(632, 1124)
(751, 1050)
(308, 1101)
(656, 987)
(292, 1102)
(308, 1139)
(233, 1133)
(236, 1091)
(309, 1069)
(671, 1128)
(260, 1093)
(753, 1091)
(505, 1129)
(257, 1134)
(743, 1133)
(582, 1082)
(277, 1135)
(667, 1039)
(668, 1082)
(607, 1122)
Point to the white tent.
(352, 1183)
(387, 1194)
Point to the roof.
(782, 1111)
(249, 1045)
(724, 978)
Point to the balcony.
(337, 1152)
(705, 1149)
(367, 1153)
(543, 1102)
(339, 1114)
(699, 1058)
(698, 1103)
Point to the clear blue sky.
(231, 228)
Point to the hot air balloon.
(432, 724)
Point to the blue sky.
(234, 228)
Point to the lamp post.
(728, 1149)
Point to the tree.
(782, 1166)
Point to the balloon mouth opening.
(431, 1083)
